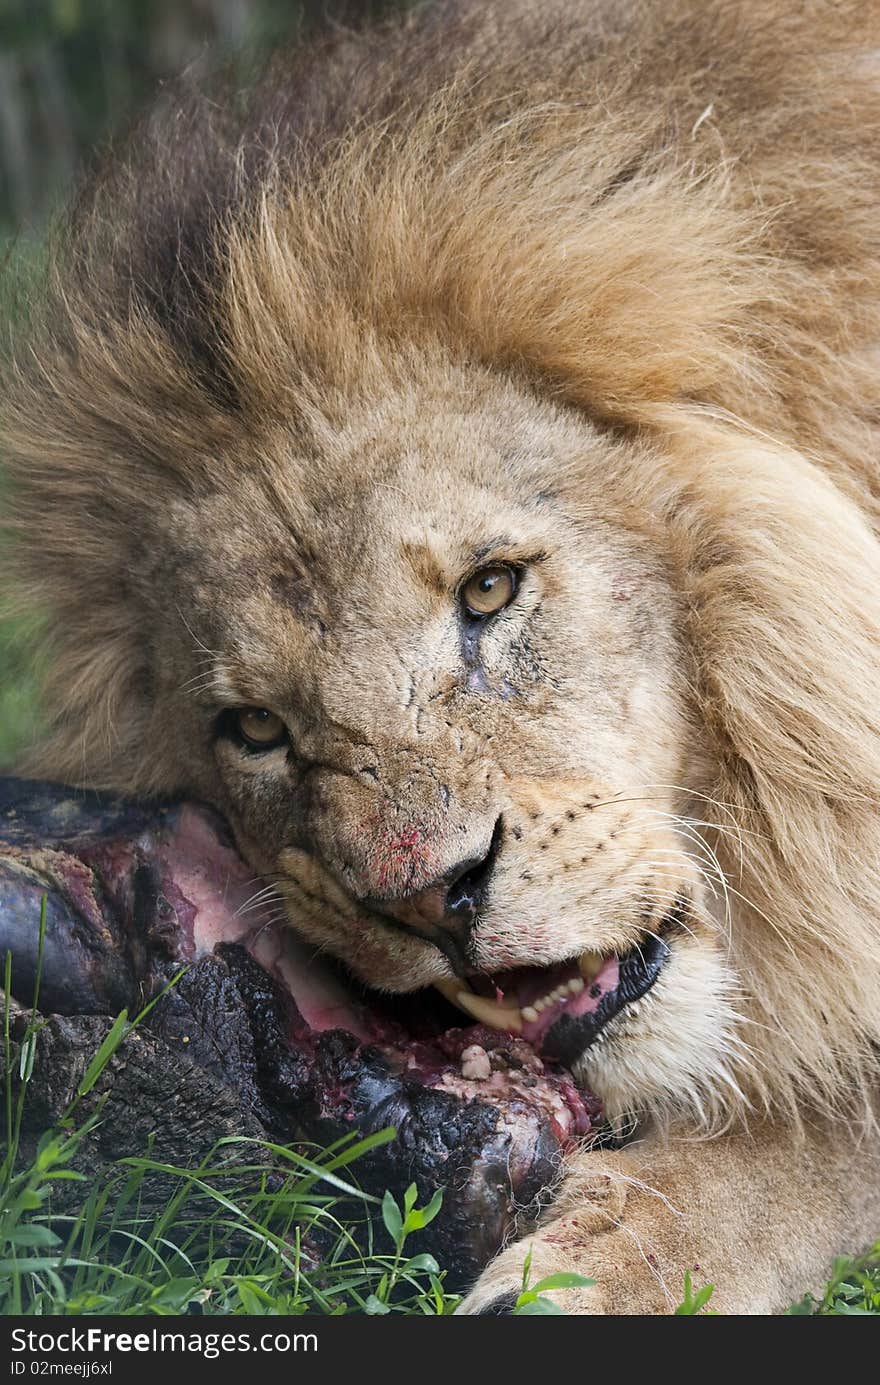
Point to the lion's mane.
(665, 215)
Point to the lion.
(455, 459)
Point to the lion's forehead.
(396, 541)
(330, 579)
(394, 602)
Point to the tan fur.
(750, 1214)
(591, 287)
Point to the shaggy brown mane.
(695, 259)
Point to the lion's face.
(245, 474)
(493, 800)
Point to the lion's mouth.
(563, 1009)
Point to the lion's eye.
(489, 590)
(259, 728)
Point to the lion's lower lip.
(571, 1035)
(574, 1000)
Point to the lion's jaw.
(558, 733)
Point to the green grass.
(278, 1207)
(854, 1288)
(112, 1258)
(258, 1228)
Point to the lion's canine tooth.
(488, 1012)
(504, 1015)
(529, 1013)
(590, 964)
(449, 989)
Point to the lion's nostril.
(444, 912)
(467, 885)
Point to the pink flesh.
(320, 997)
(218, 886)
(212, 878)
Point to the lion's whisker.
(255, 900)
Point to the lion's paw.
(629, 1242)
(499, 1287)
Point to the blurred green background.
(72, 72)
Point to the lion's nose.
(444, 912)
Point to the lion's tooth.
(506, 1003)
(576, 985)
(529, 1013)
(449, 989)
(590, 964)
(452, 989)
(509, 1021)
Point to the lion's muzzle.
(444, 912)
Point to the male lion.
(457, 461)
